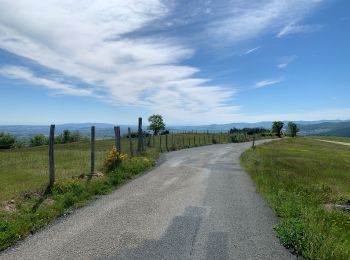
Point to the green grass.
(299, 177)
(24, 178)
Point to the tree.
(6, 141)
(293, 129)
(39, 140)
(156, 123)
(277, 128)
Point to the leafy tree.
(39, 140)
(293, 129)
(156, 123)
(6, 140)
(277, 127)
(66, 136)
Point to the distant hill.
(341, 128)
(327, 128)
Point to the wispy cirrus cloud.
(251, 50)
(285, 61)
(267, 82)
(21, 73)
(294, 28)
(88, 41)
(246, 20)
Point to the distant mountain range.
(328, 128)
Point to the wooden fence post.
(154, 142)
(144, 139)
(51, 156)
(160, 143)
(130, 143)
(166, 143)
(117, 139)
(183, 140)
(253, 142)
(139, 137)
(92, 151)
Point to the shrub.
(19, 144)
(114, 159)
(39, 140)
(165, 132)
(68, 137)
(6, 141)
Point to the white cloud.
(285, 61)
(246, 20)
(292, 28)
(267, 82)
(21, 73)
(251, 50)
(90, 42)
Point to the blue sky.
(194, 62)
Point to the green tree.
(293, 129)
(39, 140)
(66, 136)
(156, 123)
(277, 127)
(6, 141)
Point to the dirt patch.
(9, 206)
(345, 207)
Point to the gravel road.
(197, 204)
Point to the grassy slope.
(298, 177)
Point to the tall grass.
(299, 178)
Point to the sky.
(194, 62)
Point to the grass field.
(26, 169)
(301, 178)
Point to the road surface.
(197, 204)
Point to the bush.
(68, 137)
(6, 141)
(19, 144)
(114, 159)
(39, 140)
